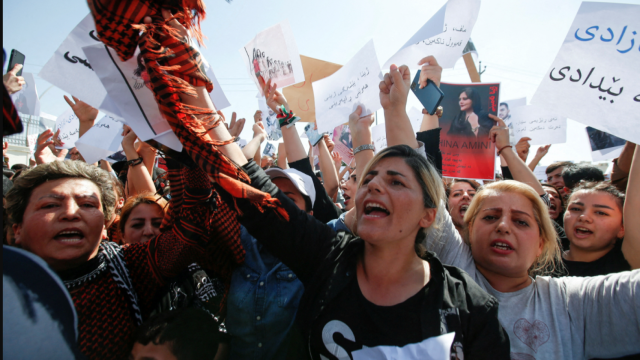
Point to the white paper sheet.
(594, 79)
(433, 348)
(379, 137)
(273, 52)
(129, 91)
(540, 173)
(69, 126)
(542, 126)
(103, 139)
(504, 112)
(217, 95)
(26, 100)
(356, 83)
(69, 68)
(459, 19)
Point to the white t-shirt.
(557, 318)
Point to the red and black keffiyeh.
(175, 67)
(11, 123)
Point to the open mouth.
(583, 231)
(463, 209)
(375, 210)
(69, 236)
(553, 207)
(347, 198)
(502, 245)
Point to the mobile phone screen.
(16, 58)
(430, 96)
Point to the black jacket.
(326, 262)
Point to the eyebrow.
(602, 206)
(514, 210)
(389, 172)
(61, 197)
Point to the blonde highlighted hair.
(430, 182)
(550, 260)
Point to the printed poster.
(26, 100)
(604, 146)
(466, 149)
(343, 142)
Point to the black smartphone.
(430, 96)
(16, 58)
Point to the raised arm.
(540, 153)
(329, 174)
(282, 156)
(137, 176)
(500, 136)
(631, 243)
(253, 147)
(394, 90)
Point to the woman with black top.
(472, 120)
(377, 292)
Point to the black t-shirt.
(612, 262)
(351, 322)
(323, 208)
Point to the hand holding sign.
(522, 148)
(274, 97)
(499, 134)
(360, 127)
(394, 88)
(430, 71)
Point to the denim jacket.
(262, 304)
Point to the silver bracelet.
(363, 147)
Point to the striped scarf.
(174, 68)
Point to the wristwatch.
(438, 113)
(363, 147)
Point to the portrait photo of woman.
(472, 120)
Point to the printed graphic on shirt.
(437, 347)
(533, 335)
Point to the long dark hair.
(460, 125)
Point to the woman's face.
(556, 204)
(389, 204)
(593, 220)
(62, 223)
(504, 237)
(465, 102)
(350, 188)
(143, 224)
(459, 200)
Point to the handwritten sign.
(300, 96)
(542, 126)
(594, 78)
(273, 54)
(69, 126)
(103, 139)
(26, 100)
(356, 83)
(70, 70)
(379, 137)
(448, 43)
(129, 92)
(343, 142)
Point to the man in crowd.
(554, 175)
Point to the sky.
(517, 40)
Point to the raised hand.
(43, 153)
(129, 138)
(542, 151)
(499, 133)
(257, 117)
(522, 148)
(258, 130)
(235, 127)
(84, 111)
(337, 158)
(394, 88)
(274, 97)
(330, 144)
(12, 82)
(360, 127)
(430, 71)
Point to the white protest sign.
(103, 139)
(69, 126)
(445, 45)
(270, 121)
(504, 113)
(379, 137)
(436, 347)
(356, 83)
(217, 95)
(69, 68)
(26, 100)
(31, 142)
(541, 173)
(594, 79)
(128, 89)
(273, 54)
(604, 146)
(542, 126)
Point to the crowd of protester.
(161, 260)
